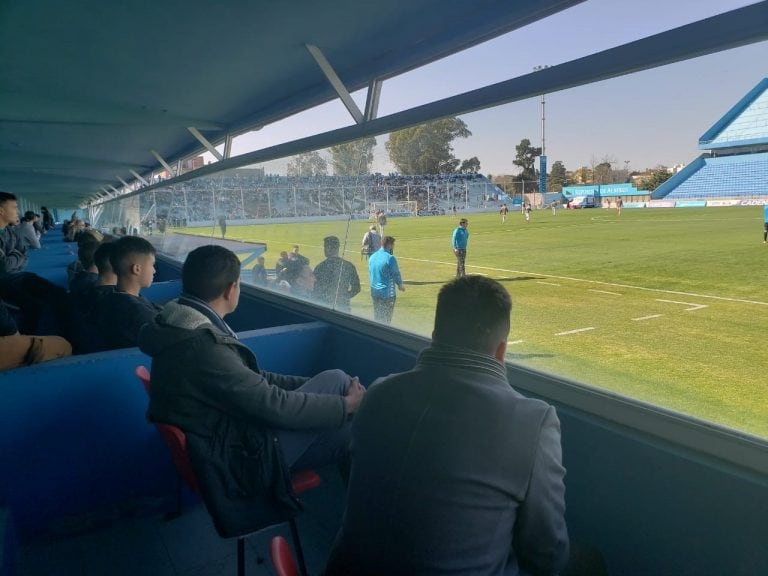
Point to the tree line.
(428, 149)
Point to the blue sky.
(649, 118)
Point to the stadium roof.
(95, 93)
(91, 87)
(746, 124)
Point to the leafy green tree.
(470, 166)
(557, 177)
(307, 164)
(426, 148)
(353, 158)
(656, 178)
(525, 158)
(603, 173)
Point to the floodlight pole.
(543, 158)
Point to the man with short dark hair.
(122, 312)
(384, 274)
(245, 427)
(84, 306)
(336, 279)
(453, 471)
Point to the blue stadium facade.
(734, 168)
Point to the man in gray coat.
(246, 428)
(453, 471)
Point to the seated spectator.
(28, 233)
(453, 471)
(89, 273)
(18, 350)
(246, 428)
(280, 265)
(298, 279)
(336, 279)
(85, 334)
(122, 312)
(42, 303)
(260, 272)
(13, 246)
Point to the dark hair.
(29, 215)
(102, 256)
(331, 245)
(293, 270)
(472, 312)
(208, 270)
(387, 240)
(86, 251)
(126, 247)
(6, 196)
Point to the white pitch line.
(648, 317)
(575, 331)
(594, 282)
(692, 305)
(514, 342)
(605, 292)
(548, 283)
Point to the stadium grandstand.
(734, 168)
(248, 196)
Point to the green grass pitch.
(668, 306)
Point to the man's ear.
(229, 290)
(135, 268)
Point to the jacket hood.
(175, 324)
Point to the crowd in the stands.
(246, 196)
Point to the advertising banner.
(723, 202)
(634, 205)
(661, 204)
(690, 204)
(755, 202)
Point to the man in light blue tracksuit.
(384, 275)
(459, 240)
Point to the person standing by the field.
(371, 242)
(223, 225)
(384, 275)
(459, 240)
(381, 218)
(504, 210)
(765, 224)
(619, 205)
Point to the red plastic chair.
(282, 558)
(176, 441)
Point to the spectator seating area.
(85, 476)
(743, 176)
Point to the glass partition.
(661, 304)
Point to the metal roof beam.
(139, 177)
(204, 141)
(336, 82)
(372, 101)
(163, 162)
